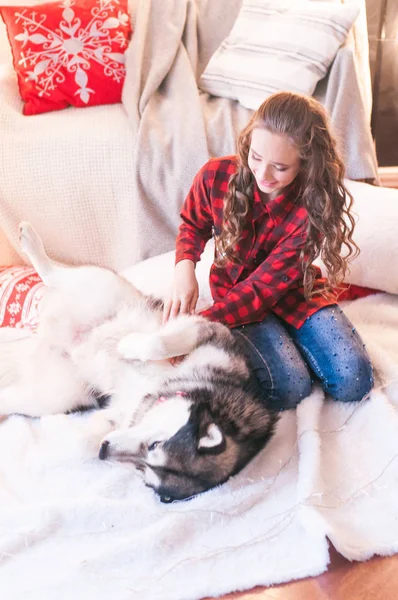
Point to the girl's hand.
(185, 291)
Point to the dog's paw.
(27, 237)
(90, 429)
(141, 346)
(102, 422)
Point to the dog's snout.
(103, 451)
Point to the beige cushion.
(277, 45)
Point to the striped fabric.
(277, 45)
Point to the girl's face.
(273, 160)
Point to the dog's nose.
(103, 451)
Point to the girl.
(273, 210)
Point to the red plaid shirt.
(270, 275)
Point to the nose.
(265, 172)
(103, 451)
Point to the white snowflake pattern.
(72, 47)
(14, 308)
(22, 287)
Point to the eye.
(255, 157)
(166, 499)
(280, 169)
(153, 446)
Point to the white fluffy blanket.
(74, 527)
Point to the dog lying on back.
(187, 425)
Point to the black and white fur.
(187, 425)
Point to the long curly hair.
(320, 183)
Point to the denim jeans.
(287, 361)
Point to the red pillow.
(349, 291)
(21, 291)
(69, 53)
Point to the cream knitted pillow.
(277, 45)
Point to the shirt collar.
(277, 208)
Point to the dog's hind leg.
(32, 246)
(58, 276)
(94, 289)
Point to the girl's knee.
(353, 381)
(291, 388)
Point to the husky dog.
(183, 404)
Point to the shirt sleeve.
(250, 300)
(197, 220)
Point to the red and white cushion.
(21, 291)
(69, 53)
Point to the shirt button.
(285, 278)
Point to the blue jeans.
(286, 360)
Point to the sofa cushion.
(68, 54)
(375, 210)
(277, 45)
(21, 291)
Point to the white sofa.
(105, 184)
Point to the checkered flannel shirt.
(269, 277)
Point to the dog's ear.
(212, 437)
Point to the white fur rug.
(74, 527)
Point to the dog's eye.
(166, 499)
(153, 446)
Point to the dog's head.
(184, 447)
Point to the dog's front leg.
(177, 338)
